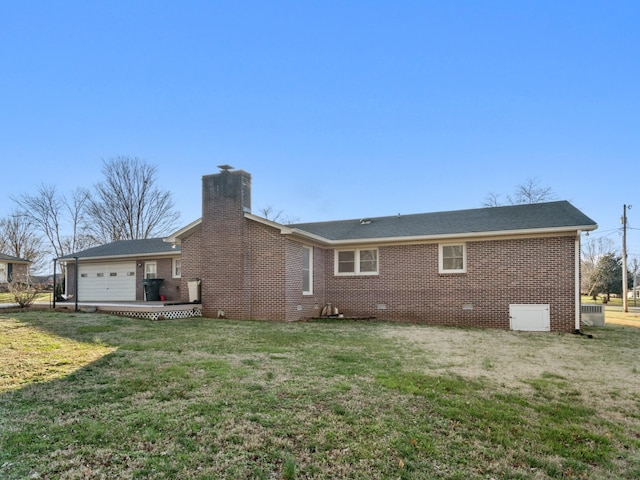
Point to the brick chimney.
(226, 196)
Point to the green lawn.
(97, 396)
(614, 302)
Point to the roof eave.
(123, 256)
(445, 237)
(289, 231)
(176, 237)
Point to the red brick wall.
(499, 273)
(191, 248)
(224, 252)
(266, 272)
(300, 305)
(19, 272)
(170, 287)
(248, 270)
(270, 281)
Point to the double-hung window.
(307, 270)
(150, 270)
(356, 262)
(176, 268)
(452, 258)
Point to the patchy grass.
(6, 297)
(96, 396)
(618, 317)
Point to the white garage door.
(107, 282)
(530, 317)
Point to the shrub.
(23, 293)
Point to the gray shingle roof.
(147, 246)
(549, 215)
(9, 258)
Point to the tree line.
(126, 204)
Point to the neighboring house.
(114, 272)
(12, 268)
(512, 267)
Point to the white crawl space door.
(530, 317)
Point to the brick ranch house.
(502, 267)
(514, 267)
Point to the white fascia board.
(176, 237)
(130, 256)
(266, 221)
(311, 237)
(435, 238)
(286, 230)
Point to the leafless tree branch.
(19, 239)
(127, 204)
(528, 192)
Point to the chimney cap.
(225, 167)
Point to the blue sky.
(338, 109)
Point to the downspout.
(577, 280)
(76, 275)
(66, 278)
(54, 283)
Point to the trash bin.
(194, 290)
(152, 289)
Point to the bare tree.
(127, 204)
(77, 206)
(19, 239)
(531, 191)
(492, 200)
(593, 250)
(54, 215)
(270, 213)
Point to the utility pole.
(625, 300)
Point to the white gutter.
(452, 236)
(118, 257)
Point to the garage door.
(530, 317)
(107, 282)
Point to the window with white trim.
(356, 262)
(452, 258)
(150, 270)
(3, 273)
(176, 268)
(307, 270)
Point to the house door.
(530, 317)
